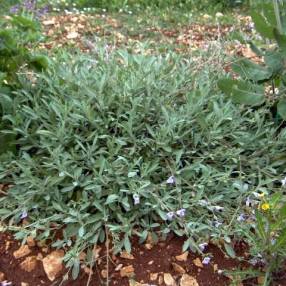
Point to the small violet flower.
(217, 224)
(14, 9)
(29, 4)
(136, 199)
(248, 202)
(241, 217)
(181, 212)
(206, 260)
(170, 215)
(202, 246)
(171, 180)
(24, 214)
(43, 11)
(253, 261)
(5, 283)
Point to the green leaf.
(25, 23)
(281, 40)
(75, 269)
(6, 103)
(229, 250)
(161, 214)
(111, 199)
(281, 108)
(281, 241)
(250, 70)
(8, 143)
(81, 231)
(39, 62)
(132, 174)
(274, 60)
(255, 49)
(242, 92)
(269, 13)
(67, 189)
(260, 225)
(282, 212)
(127, 244)
(261, 25)
(186, 245)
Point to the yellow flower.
(265, 206)
(261, 195)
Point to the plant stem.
(265, 283)
(277, 15)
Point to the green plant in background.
(257, 79)
(18, 35)
(192, 5)
(266, 236)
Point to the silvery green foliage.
(95, 132)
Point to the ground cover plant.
(116, 144)
(132, 154)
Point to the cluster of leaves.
(250, 90)
(94, 131)
(17, 35)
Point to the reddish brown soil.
(156, 260)
(159, 259)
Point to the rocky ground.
(149, 264)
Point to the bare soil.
(146, 262)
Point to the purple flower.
(206, 260)
(136, 199)
(14, 9)
(181, 212)
(43, 11)
(171, 180)
(248, 202)
(170, 215)
(241, 218)
(5, 283)
(217, 224)
(24, 214)
(202, 246)
(29, 4)
(253, 261)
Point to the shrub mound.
(98, 138)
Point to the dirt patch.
(75, 30)
(146, 264)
